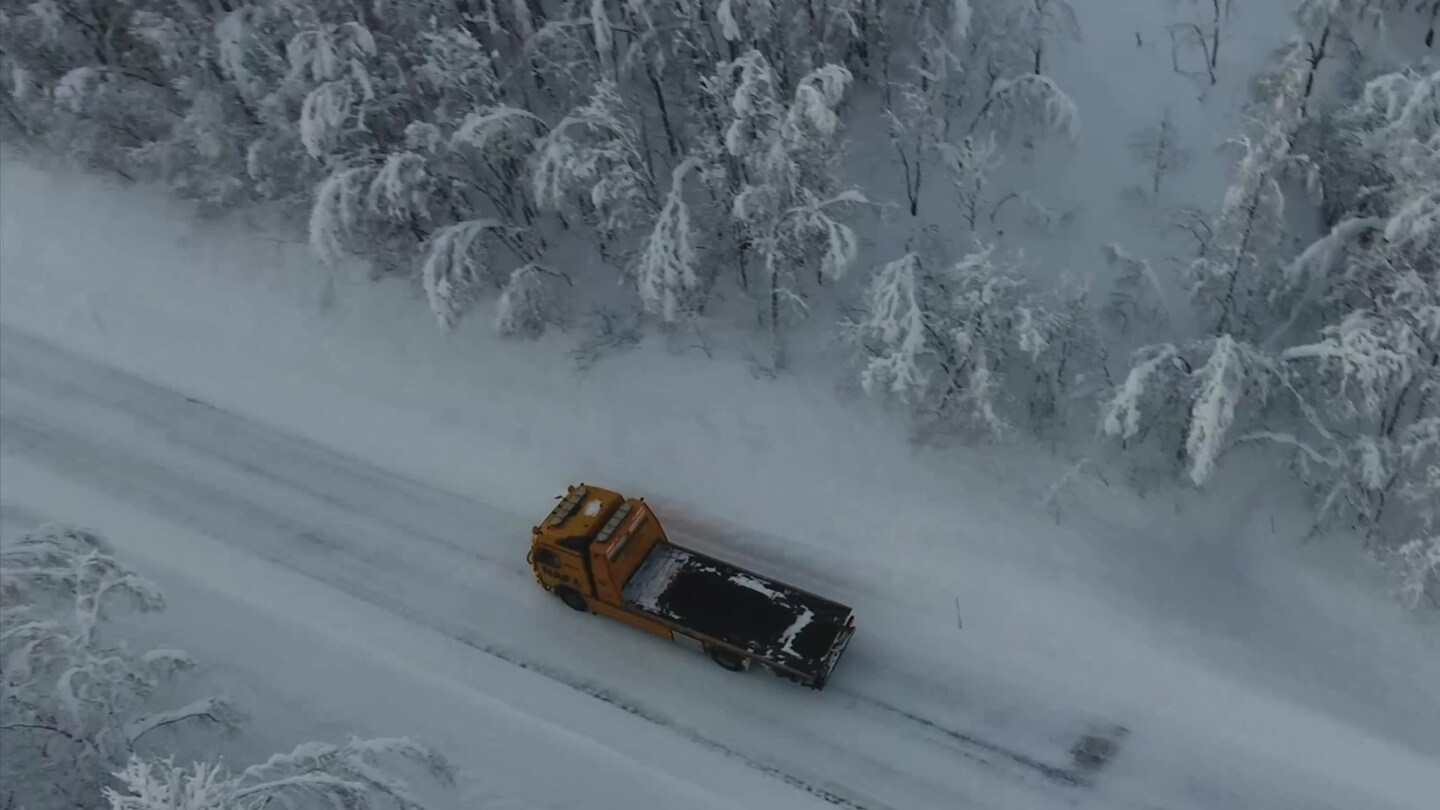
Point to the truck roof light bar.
(568, 506)
(624, 539)
(613, 523)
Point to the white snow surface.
(756, 585)
(337, 499)
(793, 631)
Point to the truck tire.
(572, 599)
(727, 659)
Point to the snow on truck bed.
(764, 617)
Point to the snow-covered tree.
(455, 71)
(77, 702)
(1191, 398)
(251, 55)
(597, 149)
(1235, 272)
(490, 148)
(528, 304)
(1417, 565)
(115, 87)
(1031, 103)
(897, 331)
(1332, 354)
(333, 59)
(972, 164)
(458, 265)
(1046, 23)
(1205, 33)
(357, 775)
(1137, 302)
(922, 105)
(1369, 293)
(335, 216)
(666, 268)
(787, 205)
(967, 90)
(970, 342)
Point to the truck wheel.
(727, 659)
(574, 600)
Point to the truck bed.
(770, 620)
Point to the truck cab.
(590, 544)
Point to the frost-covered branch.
(209, 710)
(356, 775)
(455, 266)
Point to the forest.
(617, 168)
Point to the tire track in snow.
(969, 745)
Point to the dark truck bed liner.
(770, 620)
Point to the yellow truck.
(603, 553)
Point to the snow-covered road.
(435, 581)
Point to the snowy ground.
(337, 499)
